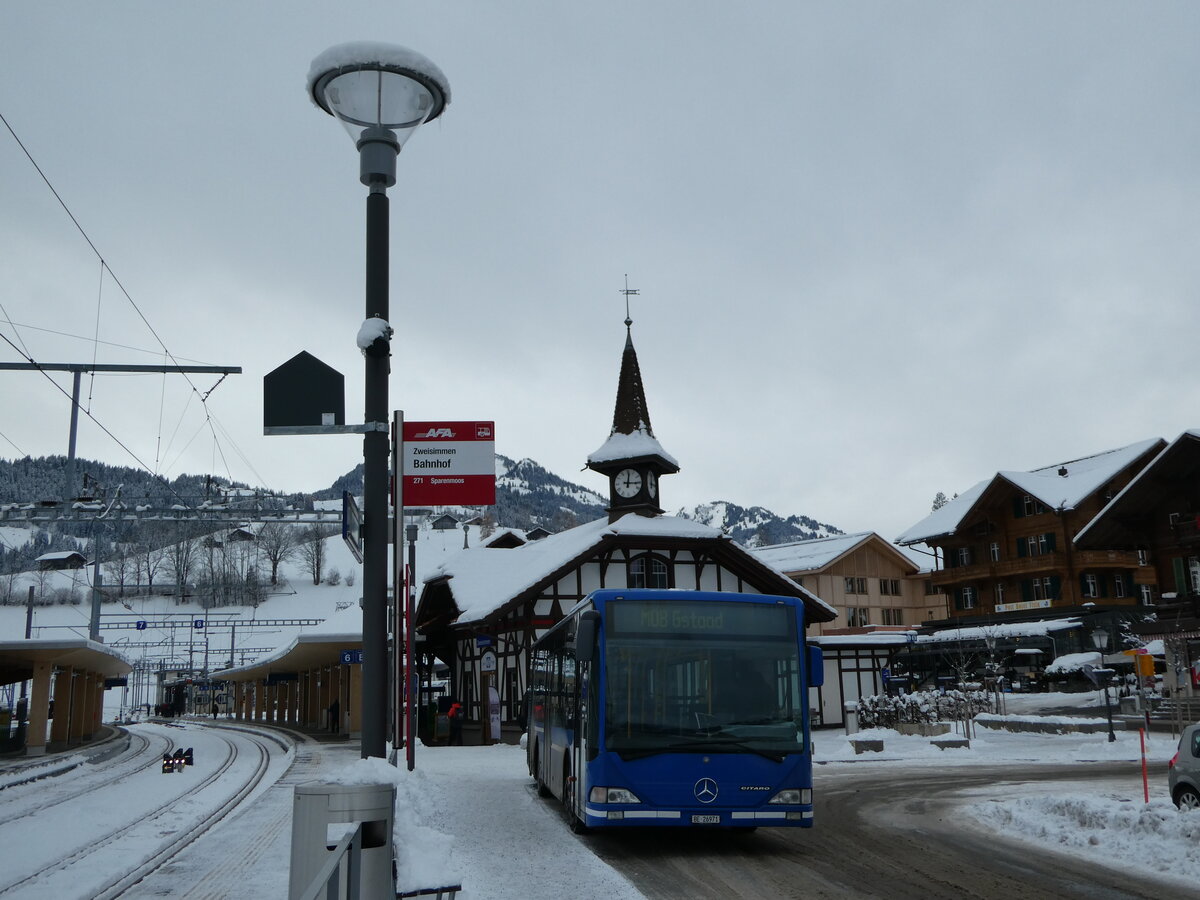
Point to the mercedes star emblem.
(706, 790)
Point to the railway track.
(35, 797)
(116, 825)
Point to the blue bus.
(675, 708)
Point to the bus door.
(584, 717)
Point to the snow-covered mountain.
(756, 526)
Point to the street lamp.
(1100, 639)
(381, 93)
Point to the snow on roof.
(945, 520)
(812, 554)
(1073, 662)
(484, 579)
(630, 446)
(879, 638)
(57, 555)
(1190, 433)
(1082, 478)
(344, 625)
(1041, 628)
(803, 556)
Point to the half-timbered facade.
(481, 611)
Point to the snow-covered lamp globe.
(381, 93)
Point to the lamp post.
(381, 93)
(1100, 639)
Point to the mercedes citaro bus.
(675, 708)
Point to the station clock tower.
(632, 458)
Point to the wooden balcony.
(1036, 565)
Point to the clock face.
(628, 482)
(651, 484)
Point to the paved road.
(875, 837)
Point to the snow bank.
(423, 851)
(1153, 837)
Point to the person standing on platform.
(455, 715)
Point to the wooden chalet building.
(1006, 546)
(868, 580)
(879, 593)
(1157, 516)
(481, 610)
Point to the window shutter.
(1083, 587)
(1018, 507)
(1022, 548)
(1055, 587)
(1026, 590)
(1102, 584)
(1051, 539)
(1181, 575)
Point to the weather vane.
(628, 292)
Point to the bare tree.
(120, 566)
(182, 558)
(278, 543)
(312, 550)
(150, 561)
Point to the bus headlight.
(612, 795)
(793, 796)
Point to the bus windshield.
(702, 676)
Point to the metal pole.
(375, 489)
(97, 583)
(396, 611)
(69, 487)
(414, 691)
(1108, 711)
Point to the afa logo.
(434, 434)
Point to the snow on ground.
(1107, 822)
(467, 814)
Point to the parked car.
(1183, 775)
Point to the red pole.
(1145, 777)
(412, 688)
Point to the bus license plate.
(706, 820)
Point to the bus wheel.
(542, 790)
(573, 821)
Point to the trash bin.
(850, 709)
(316, 807)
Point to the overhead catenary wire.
(80, 337)
(94, 420)
(14, 446)
(96, 336)
(117, 281)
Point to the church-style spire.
(632, 457)
(631, 413)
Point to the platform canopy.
(17, 658)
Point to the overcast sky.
(883, 249)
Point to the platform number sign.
(141, 624)
(197, 623)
